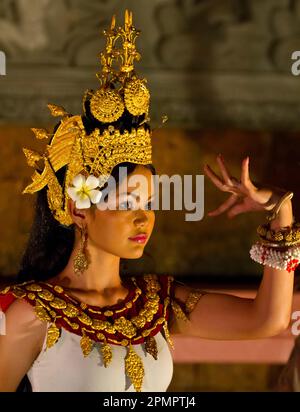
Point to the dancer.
(73, 322)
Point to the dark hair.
(50, 243)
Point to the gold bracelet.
(288, 236)
(274, 212)
(182, 310)
(192, 300)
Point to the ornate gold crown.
(122, 92)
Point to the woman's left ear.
(78, 215)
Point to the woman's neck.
(102, 274)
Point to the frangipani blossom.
(84, 191)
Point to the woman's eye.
(129, 205)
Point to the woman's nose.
(141, 218)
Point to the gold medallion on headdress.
(106, 105)
(137, 97)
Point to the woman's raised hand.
(245, 196)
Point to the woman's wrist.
(284, 217)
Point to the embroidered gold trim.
(18, 293)
(71, 311)
(46, 295)
(34, 287)
(5, 290)
(73, 325)
(84, 306)
(58, 303)
(57, 288)
(41, 313)
(130, 329)
(85, 319)
(125, 327)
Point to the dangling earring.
(81, 261)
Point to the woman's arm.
(20, 345)
(223, 316)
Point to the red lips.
(139, 238)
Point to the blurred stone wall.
(220, 70)
(209, 63)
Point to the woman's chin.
(135, 254)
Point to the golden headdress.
(121, 93)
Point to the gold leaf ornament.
(32, 157)
(134, 369)
(125, 326)
(41, 313)
(58, 303)
(40, 133)
(53, 334)
(46, 295)
(33, 287)
(106, 354)
(86, 345)
(57, 111)
(151, 346)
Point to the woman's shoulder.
(21, 332)
(18, 320)
(21, 312)
(14, 303)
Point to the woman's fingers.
(230, 184)
(224, 171)
(224, 206)
(213, 177)
(245, 172)
(236, 210)
(245, 178)
(244, 189)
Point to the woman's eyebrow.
(134, 195)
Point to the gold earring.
(81, 261)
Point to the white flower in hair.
(84, 191)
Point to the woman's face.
(113, 230)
